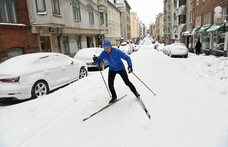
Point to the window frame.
(76, 10)
(91, 17)
(106, 19)
(44, 5)
(102, 18)
(7, 14)
(207, 18)
(54, 9)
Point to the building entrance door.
(45, 43)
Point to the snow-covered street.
(190, 108)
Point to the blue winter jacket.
(114, 59)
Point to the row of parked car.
(33, 75)
(173, 50)
(128, 48)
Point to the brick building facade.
(15, 29)
(208, 5)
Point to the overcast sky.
(146, 10)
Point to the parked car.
(155, 46)
(86, 55)
(165, 49)
(125, 48)
(34, 75)
(177, 49)
(160, 47)
(136, 48)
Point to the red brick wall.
(208, 5)
(18, 36)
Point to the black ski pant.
(124, 76)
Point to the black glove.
(95, 58)
(130, 69)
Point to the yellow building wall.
(113, 26)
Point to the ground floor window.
(218, 41)
(78, 42)
(65, 45)
(190, 42)
(206, 41)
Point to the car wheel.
(40, 88)
(83, 73)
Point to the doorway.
(45, 43)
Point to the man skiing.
(116, 66)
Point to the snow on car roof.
(21, 63)
(88, 52)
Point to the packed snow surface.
(190, 108)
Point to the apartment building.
(114, 25)
(192, 20)
(66, 26)
(159, 28)
(16, 37)
(210, 26)
(134, 27)
(124, 7)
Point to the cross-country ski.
(103, 108)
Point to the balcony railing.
(182, 10)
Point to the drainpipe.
(59, 39)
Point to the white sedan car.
(86, 55)
(126, 48)
(160, 47)
(33, 75)
(177, 49)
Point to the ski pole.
(144, 84)
(103, 79)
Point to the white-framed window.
(191, 15)
(197, 2)
(102, 18)
(8, 11)
(55, 7)
(224, 14)
(91, 18)
(76, 10)
(40, 6)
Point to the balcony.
(181, 27)
(181, 10)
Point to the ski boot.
(137, 95)
(113, 100)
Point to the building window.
(8, 11)
(198, 21)
(91, 18)
(102, 18)
(55, 7)
(106, 19)
(207, 18)
(78, 38)
(224, 14)
(197, 2)
(40, 6)
(191, 16)
(76, 10)
(65, 44)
